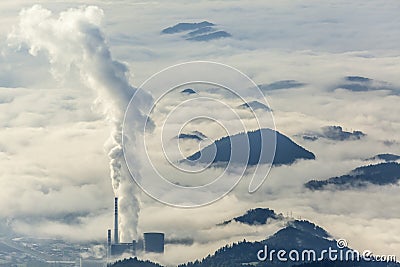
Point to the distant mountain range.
(378, 174)
(287, 151)
(363, 84)
(352, 83)
(335, 133)
(197, 31)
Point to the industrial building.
(152, 242)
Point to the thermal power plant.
(116, 241)
(118, 248)
(152, 242)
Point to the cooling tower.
(154, 242)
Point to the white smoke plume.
(75, 39)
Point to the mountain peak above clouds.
(378, 174)
(255, 105)
(186, 26)
(364, 84)
(188, 91)
(287, 151)
(197, 31)
(335, 133)
(257, 216)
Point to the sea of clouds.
(54, 170)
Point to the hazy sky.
(54, 170)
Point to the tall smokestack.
(116, 241)
(108, 237)
(108, 243)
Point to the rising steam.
(75, 39)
